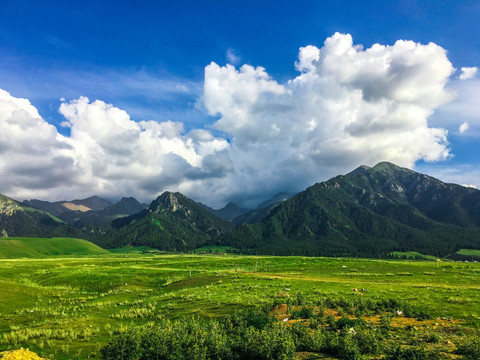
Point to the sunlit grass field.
(24, 247)
(67, 307)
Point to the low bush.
(234, 339)
(470, 350)
(419, 353)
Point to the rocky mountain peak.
(8, 206)
(167, 201)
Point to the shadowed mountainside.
(369, 212)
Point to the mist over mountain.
(230, 211)
(370, 211)
(263, 209)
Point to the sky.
(232, 100)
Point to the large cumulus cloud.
(347, 106)
(34, 157)
(106, 153)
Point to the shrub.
(348, 349)
(272, 343)
(195, 340)
(397, 353)
(304, 313)
(385, 323)
(300, 299)
(367, 341)
(470, 350)
(345, 322)
(331, 321)
(125, 346)
(313, 341)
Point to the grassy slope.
(413, 255)
(77, 303)
(6, 200)
(469, 252)
(27, 247)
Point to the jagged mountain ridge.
(122, 208)
(93, 203)
(17, 219)
(230, 211)
(172, 222)
(442, 202)
(369, 211)
(91, 211)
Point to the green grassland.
(28, 247)
(69, 307)
(214, 249)
(412, 255)
(469, 252)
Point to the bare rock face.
(17, 219)
(8, 206)
(166, 202)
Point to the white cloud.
(457, 174)
(468, 73)
(232, 57)
(348, 106)
(463, 128)
(106, 153)
(34, 158)
(463, 109)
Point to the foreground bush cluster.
(257, 335)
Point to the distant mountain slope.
(386, 185)
(263, 210)
(369, 212)
(280, 197)
(18, 247)
(172, 222)
(94, 203)
(124, 207)
(228, 212)
(56, 208)
(17, 219)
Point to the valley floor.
(66, 307)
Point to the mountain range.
(369, 212)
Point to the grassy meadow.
(65, 307)
(24, 247)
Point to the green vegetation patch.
(411, 255)
(72, 307)
(469, 252)
(215, 250)
(134, 250)
(27, 247)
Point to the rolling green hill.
(28, 247)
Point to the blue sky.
(152, 60)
